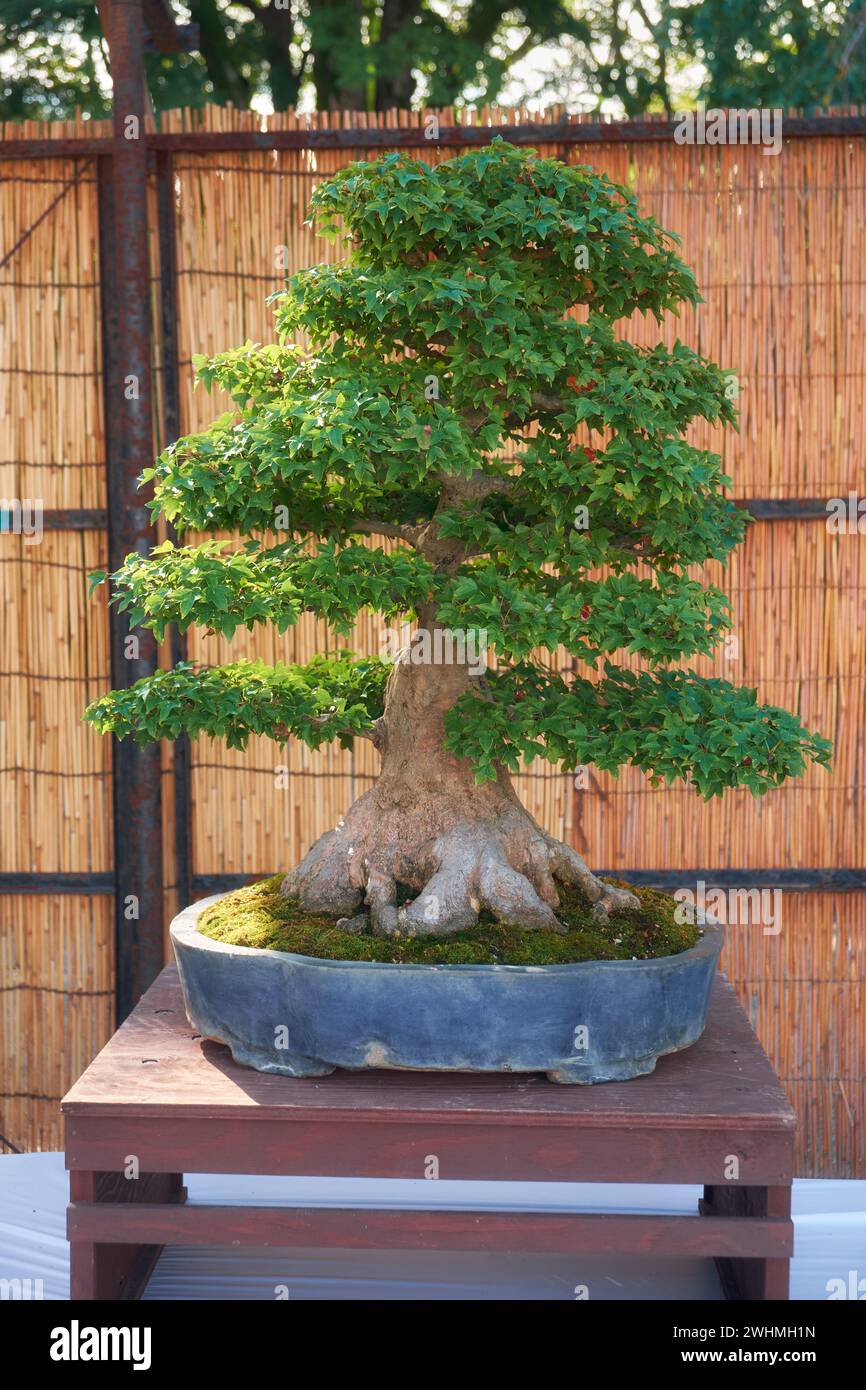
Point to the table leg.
(116, 1272)
(764, 1280)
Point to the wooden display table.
(158, 1096)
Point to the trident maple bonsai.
(438, 407)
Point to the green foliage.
(332, 697)
(399, 53)
(670, 724)
(52, 61)
(779, 53)
(55, 62)
(632, 58)
(199, 584)
(496, 203)
(440, 347)
(347, 55)
(657, 619)
(477, 299)
(330, 446)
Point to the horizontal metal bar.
(75, 519)
(74, 883)
(761, 508)
(784, 508)
(527, 133)
(566, 132)
(805, 880)
(205, 884)
(801, 880)
(58, 147)
(793, 880)
(407, 137)
(122, 1223)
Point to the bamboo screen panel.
(778, 246)
(56, 951)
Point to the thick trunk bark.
(428, 825)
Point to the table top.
(156, 1064)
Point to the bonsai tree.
(422, 459)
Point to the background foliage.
(626, 57)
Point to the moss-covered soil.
(258, 916)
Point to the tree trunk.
(427, 825)
(395, 87)
(338, 49)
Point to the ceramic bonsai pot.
(581, 1023)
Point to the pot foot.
(278, 1063)
(588, 1074)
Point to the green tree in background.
(785, 53)
(355, 54)
(625, 57)
(636, 56)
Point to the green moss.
(258, 916)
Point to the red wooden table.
(159, 1101)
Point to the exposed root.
(570, 868)
(509, 867)
(449, 900)
(382, 900)
(511, 897)
(471, 872)
(426, 824)
(325, 880)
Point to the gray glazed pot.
(582, 1023)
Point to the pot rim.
(184, 932)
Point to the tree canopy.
(438, 409)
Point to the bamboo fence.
(779, 249)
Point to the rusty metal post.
(171, 426)
(129, 439)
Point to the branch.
(474, 419)
(395, 530)
(540, 401)
(474, 488)
(375, 733)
